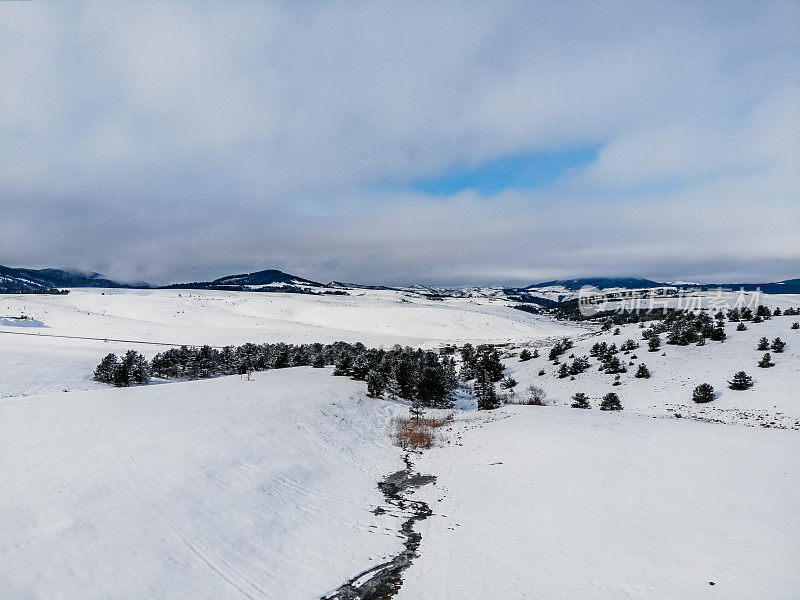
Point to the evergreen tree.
(137, 368)
(643, 372)
(741, 327)
(343, 365)
(488, 360)
(431, 388)
(703, 393)
(318, 362)
(375, 384)
(654, 343)
(766, 361)
(485, 392)
(611, 402)
(468, 358)
(563, 371)
(508, 382)
(718, 333)
(741, 381)
(204, 364)
(778, 345)
(525, 355)
(361, 366)
(795, 325)
(416, 410)
(104, 372)
(536, 353)
(763, 344)
(580, 400)
(777, 312)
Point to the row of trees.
(609, 402)
(705, 391)
(415, 375)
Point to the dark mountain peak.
(266, 277)
(13, 279)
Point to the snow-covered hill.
(226, 488)
(210, 489)
(773, 401)
(374, 317)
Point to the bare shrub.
(535, 396)
(418, 434)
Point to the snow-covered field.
(232, 489)
(375, 317)
(210, 489)
(558, 503)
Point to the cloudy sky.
(402, 142)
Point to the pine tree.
(318, 362)
(741, 327)
(643, 372)
(104, 372)
(416, 410)
(778, 345)
(766, 361)
(611, 402)
(703, 393)
(580, 400)
(375, 384)
(718, 333)
(795, 325)
(536, 353)
(763, 344)
(563, 371)
(508, 382)
(344, 364)
(525, 355)
(741, 381)
(654, 343)
(485, 392)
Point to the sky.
(410, 142)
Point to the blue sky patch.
(520, 171)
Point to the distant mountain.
(46, 280)
(267, 277)
(788, 286)
(270, 280)
(598, 282)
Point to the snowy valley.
(267, 485)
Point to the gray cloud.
(187, 140)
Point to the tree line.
(417, 375)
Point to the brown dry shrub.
(417, 434)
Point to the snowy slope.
(213, 489)
(217, 317)
(558, 503)
(375, 317)
(677, 370)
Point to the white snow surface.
(559, 503)
(210, 489)
(33, 360)
(232, 489)
(773, 401)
